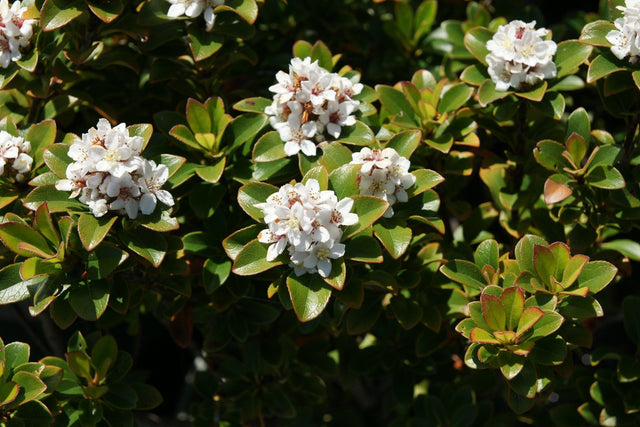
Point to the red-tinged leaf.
(513, 301)
(580, 292)
(544, 263)
(505, 337)
(493, 312)
(573, 269)
(555, 192)
(481, 336)
(338, 274)
(530, 317)
(309, 295)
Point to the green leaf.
(321, 53)
(344, 181)
(309, 295)
(405, 143)
(454, 98)
(601, 66)
(595, 33)
(90, 300)
(103, 354)
(268, 148)
(183, 134)
(57, 201)
(214, 274)
(475, 40)
(30, 387)
(301, 49)
(474, 75)
(536, 94)
(234, 243)
(148, 396)
(546, 325)
(44, 224)
(252, 259)
(103, 260)
(338, 274)
(93, 230)
(525, 249)
(13, 288)
(369, 209)
(24, 240)
(394, 236)
(544, 263)
(528, 318)
(478, 335)
(358, 134)
(579, 123)
(55, 156)
(203, 44)
(510, 364)
(320, 174)
(8, 393)
(149, 244)
(243, 128)
(606, 177)
(253, 105)
(487, 93)
(253, 193)
(334, 155)
(493, 312)
(513, 301)
(363, 248)
(627, 247)
(465, 273)
(213, 173)
(395, 102)
(425, 179)
(570, 55)
(58, 13)
(407, 311)
(487, 253)
(549, 351)
(106, 11)
(198, 117)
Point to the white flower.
(384, 174)
(109, 174)
(193, 9)
(15, 32)
(520, 56)
(624, 39)
(15, 160)
(306, 221)
(311, 103)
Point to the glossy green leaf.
(57, 201)
(465, 273)
(344, 181)
(606, 177)
(106, 11)
(338, 274)
(394, 236)
(31, 387)
(253, 193)
(93, 230)
(269, 148)
(601, 66)
(203, 44)
(363, 249)
(369, 209)
(513, 301)
(103, 260)
(309, 295)
(253, 105)
(454, 98)
(407, 311)
(358, 134)
(475, 40)
(321, 53)
(487, 253)
(212, 173)
(90, 300)
(149, 244)
(493, 312)
(570, 54)
(405, 143)
(545, 325)
(14, 235)
(478, 335)
(595, 33)
(510, 364)
(474, 75)
(234, 243)
(487, 93)
(396, 103)
(57, 13)
(252, 259)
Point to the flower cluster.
(15, 32)
(108, 173)
(306, 221)
(193, 9)
(520, 56)
(384, 174)
(310, 102)
(625, 40)
(14, 156)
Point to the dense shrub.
(365, 212)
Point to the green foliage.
(448, 305)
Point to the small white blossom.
(195, 8)
(624, 39)
(15, 160)
(384, 174)
(15, 32)
(109, 174)
(306, 221)
(520, 56)
(310, 104)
